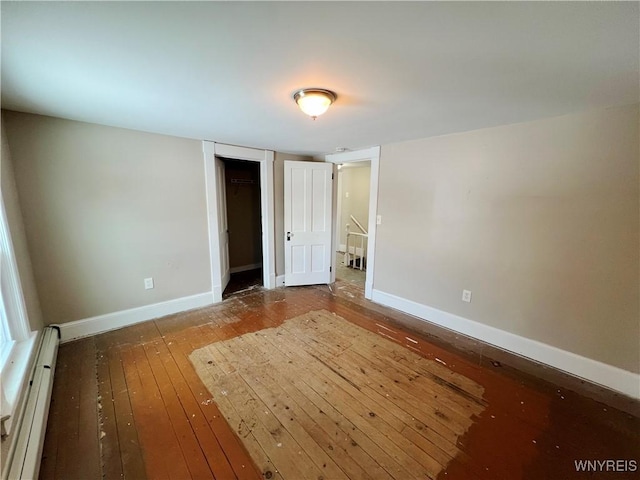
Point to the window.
(16, 339)
(13, 315)
(6, 342)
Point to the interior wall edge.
(112, 321)
(594, 371)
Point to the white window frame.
(14, 304)
(16, 358)
(6, 339)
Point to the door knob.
(289, 235)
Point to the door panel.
(318, 259)
(307, 211)
(223, 228)
(321, 189)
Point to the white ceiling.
(226, 71)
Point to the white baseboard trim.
(609, 376)
(245, 268)
(280, 281)
(112, 321)
(342, 248)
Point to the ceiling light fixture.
(314, 101)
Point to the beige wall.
(354, 181)
(104, 208)
(278, 192)
(539, 220)
(18, 237)
(243, 213)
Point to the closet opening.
(244, 225)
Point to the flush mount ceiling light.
(314, 101)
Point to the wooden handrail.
(355, 220)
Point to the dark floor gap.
(242, 281)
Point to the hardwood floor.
(133, 404)
(243, 281)
(317, 385)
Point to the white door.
(223, 229)
(307, 222)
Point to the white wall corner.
(112, 321)
(600, 373)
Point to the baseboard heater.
(27, 446)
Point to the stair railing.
(353, 253)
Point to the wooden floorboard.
(224, 438)
(88, 422)
(74, 451)
(111, 457)
(364, 352)
(68, 419)
(232, 367)
(348, 442)
(152, 425)
(127, 440)
(246, 390)
(376, 385)
(192, 453)
(207, 443)
(356, 419)
(168, 437)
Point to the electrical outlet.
(466, 296)
(378, 219)
(148, 283)
(346, 195)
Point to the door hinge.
(332, 176)
(330, 268)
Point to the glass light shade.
(314, 102)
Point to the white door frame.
(265, 158)
(369, 154)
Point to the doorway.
(352, 213)
(216, 212)
(371, 155)
(244, 229)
